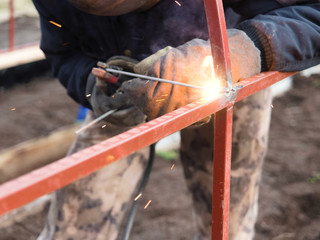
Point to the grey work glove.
(186, 64)
(104, 96)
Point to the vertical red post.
(223, 121)
(219, 40)
(11, 25)
(221, 173)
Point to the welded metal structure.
(28, 187)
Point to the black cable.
(134, 206)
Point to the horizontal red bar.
(28, 187)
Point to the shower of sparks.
(56, 24)
(88, 95)
(177, 3)
(13, 109)
(172, 166)
(137, 197)
(147, 204)
(271, 105)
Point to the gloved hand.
(104, 96)
(186, 64)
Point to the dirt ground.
(290, 192)
(289, 204)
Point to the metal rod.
(152, 78)
(11, 25)
(219, 41)
(221, 173)
(95, 121)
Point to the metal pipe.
(152, 78)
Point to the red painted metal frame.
(28, 187)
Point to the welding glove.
(104, 96)
(186, 64)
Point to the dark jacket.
(287, 35)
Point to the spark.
(13, 109)
(137, 197)
(147, 204)
(56, 24)
(271, 105)
(172, 166)
(177, 3)
(159, 100)
(88, 95)
(104, 126)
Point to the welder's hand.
(182, 64)
(104, 96)
(186, 64)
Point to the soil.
(289, 203)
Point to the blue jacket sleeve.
(288, 37)
(70, 65)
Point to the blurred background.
(38, 119)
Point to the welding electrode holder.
(108, 77)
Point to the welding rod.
(95, 120)
(152, 78)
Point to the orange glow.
(109, 158)
(212, 86)
(56, 24)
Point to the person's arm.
(69, 64)
(288, 37)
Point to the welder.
(167, 39)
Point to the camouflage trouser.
(249, 144)
(94, 207)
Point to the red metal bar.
(219, 40)
(221, 173)
(223, 120)
(30, 186)
(11, 25)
